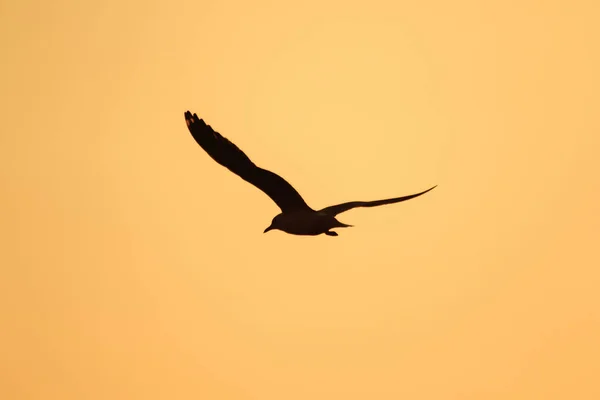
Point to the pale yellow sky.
(134, 267)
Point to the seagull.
(296, 217)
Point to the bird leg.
(331, 233)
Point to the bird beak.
(268, 229)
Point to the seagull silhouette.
(296, 217)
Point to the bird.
(296, 217)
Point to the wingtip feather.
(189, 118)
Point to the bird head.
(274, 224)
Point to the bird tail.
(342, 225)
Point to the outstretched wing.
(230, 156)
(340, 208)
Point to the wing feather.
(231, 157)
(340, 208)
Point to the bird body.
(306, 222)
(296, 217)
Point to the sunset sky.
(135, 267)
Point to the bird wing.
(340, 208)
(231, 157)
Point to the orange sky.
(134, 267)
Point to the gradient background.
(134, 267)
